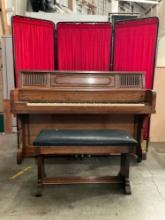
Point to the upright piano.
(97, 100)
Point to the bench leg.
(41, 175)
(124, 173)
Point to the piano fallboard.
(87, 102)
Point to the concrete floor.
(87, 202)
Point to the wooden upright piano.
(96, 100)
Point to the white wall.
(67, 17)
(159, 11)
(157, 132)
(161, 52)
(15, 7)
(103, 7)
(20, 7)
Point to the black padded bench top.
(102, 137)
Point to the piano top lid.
(82, 80)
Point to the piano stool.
(78, 142)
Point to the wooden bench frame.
(122, 178)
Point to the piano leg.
(21, 133)
(19, 139)
(124, 173)
(19, 156)
(139, 121)
(39, 190)
(139, 153)
(127, 186)
(41, 175)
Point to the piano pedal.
(77, 156)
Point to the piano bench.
(75, 142)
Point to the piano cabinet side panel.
(22, 136)
(38, 122)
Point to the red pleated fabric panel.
(84, 46)
(135, 47)
(33, 43)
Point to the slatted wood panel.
(55, 79)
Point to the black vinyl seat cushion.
(76, 137)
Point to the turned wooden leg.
(124, 173)
(41, 175)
